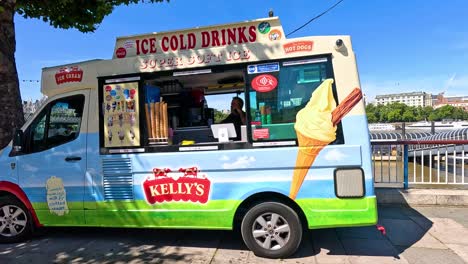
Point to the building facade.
(30, 107)
(411, 99)
(456, 101)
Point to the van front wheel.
(15, 222)
(272, 230)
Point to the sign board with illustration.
(121, 115)
(56, 196)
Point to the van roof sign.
(185, 50)
(265, 30)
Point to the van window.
(273, 109)
(183, 110)
(38, 132)
(57, 124)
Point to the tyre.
(15, 221)
(271, 230)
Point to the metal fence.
(418, 163)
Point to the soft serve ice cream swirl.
(314, 120)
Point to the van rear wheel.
(15, 221)
(272, 230)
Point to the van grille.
(117, 179)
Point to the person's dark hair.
(241, 102)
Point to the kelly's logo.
(69, 74)
(190, 186)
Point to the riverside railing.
(416, 163)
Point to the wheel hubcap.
(271, 231)
(13, 220)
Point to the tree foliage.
(83, 15)
(219, 116)
(398, 112)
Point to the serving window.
(187, 108)
(277, 95)
(209, 109)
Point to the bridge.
(435, 142)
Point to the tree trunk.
(11, 108)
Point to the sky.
(401, 46)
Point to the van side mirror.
(18, 140)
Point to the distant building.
(456, 101)
(30, 107)
(381, 127)
(410, 99)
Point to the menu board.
(121, 115)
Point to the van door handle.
(72, 158)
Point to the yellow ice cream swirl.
(315, 119)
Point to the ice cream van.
(139, 141)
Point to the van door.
(52, 165)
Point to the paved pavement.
(444, 197)
(414, 235)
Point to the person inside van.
(237, 116)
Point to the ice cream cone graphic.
(316, 128)
(305, 158)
